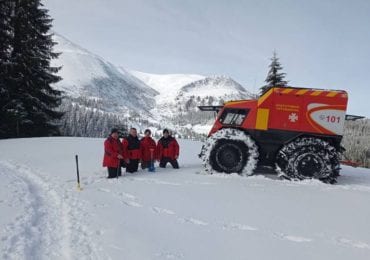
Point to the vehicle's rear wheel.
(306, 158)
(229, 151)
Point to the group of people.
(132, 151)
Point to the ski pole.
(118, 167)
(78, 175)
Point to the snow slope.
(166, 83)
(87, 75)
(217, 87)
(170, 214)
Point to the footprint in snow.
(154, 181)
(99, 232)
(169, 255)
(162, 211)
(100, 205)
(104, 190)
(167, 183)
(116, 247)
(132, 203)
(128, 200)
(297, 239)
(127, 195)
(193, 221)
(200, 183)
(238, 226)
(355, 244)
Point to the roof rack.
(210, 108)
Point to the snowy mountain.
(97, 89)
(88, 75)
(180, 94)
(166, 83)
(177, 90)
(214, 90)
(170, 214)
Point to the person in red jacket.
(131, 151)
(113, 153)
(168, 150)
(148, 149)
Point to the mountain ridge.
(138, 99)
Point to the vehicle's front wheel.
(230, 150)
(229, 156)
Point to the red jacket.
(131, 148)
(112, 147)
(168, 147)
(146, 144)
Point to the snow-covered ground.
(170, 214)
(201, 129)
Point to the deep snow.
(170, 214)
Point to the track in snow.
(49, 224)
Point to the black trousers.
(112, 172)
(123, 163)
(166, 160)
(132, 166)
(145, 164)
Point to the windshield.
(233, 116)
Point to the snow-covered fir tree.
(33, 100)
(275, 78)
(356, 141)
(5, 48)
(88, 121)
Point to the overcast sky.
(320, 43)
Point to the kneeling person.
(168, 150)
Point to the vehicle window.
(233, 116)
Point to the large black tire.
(229, 151)
(306, 158)
(229, 156)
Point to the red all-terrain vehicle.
(295, 131)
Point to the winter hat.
(114, 130)
(166, 131)
(147, 131)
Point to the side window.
(233, 116)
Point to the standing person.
(148, 149)
(113, 153)
(131, 151)
(168, 150)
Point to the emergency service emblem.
(293, 117)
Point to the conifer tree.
(275, 78)
(34, 101)
(5, 49)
